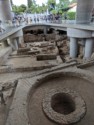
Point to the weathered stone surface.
(46, 57)
(50, 37)
(33, 38)
(22, 50)
(33, 52)
(60, 114)
(25, 86)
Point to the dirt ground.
(8, 93)
(35, 111)
(83, 87)
(4, 110)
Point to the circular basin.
(64, 106)
(62, 98)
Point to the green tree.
(54, 12)
(64, 3)
(63, 6)
(29, 3)
(71, 15)
(22, 8)
(74, 1)
(15, 9)
(19, 9)
(34, 2)
(32, 6)
(51, 5)
(44, 7)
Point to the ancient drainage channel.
(60, 97)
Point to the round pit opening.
(62, 103)
(64, 106)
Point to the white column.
(73, 47)
(5, 10)
(84, 10)
(88, 48)
(13, 43)
(20, 41)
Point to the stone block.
(46, 57)
(20, 50)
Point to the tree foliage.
(19, 9)
(71, 15)
(51, 5)
(36, 8)
(74, 1)
(29, 3)
(64, 3)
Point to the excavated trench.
(58, 98)
(59, 38)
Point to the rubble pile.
(7, 90)
(63, 46)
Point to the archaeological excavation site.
(47, 70)
(41, 84)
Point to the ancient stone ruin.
(41, 85)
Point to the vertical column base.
(20, 41)
(13, 43)
(45, 30)
(73, 47)
(88, 48)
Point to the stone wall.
(33, 38)
(39, 37)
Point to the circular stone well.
(64, 106)
(62, 98)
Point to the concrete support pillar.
(88, 48)
(83, 44)
(45, 30)
(5, 10)
(20, 41)
(73, 47)
(84, 10)
(5, 44)
(13, 43)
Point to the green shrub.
(71, 15)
